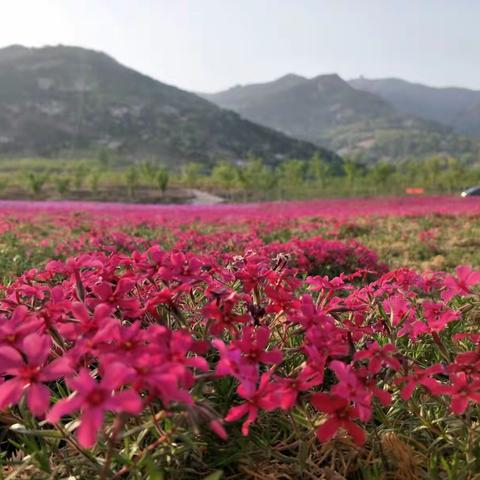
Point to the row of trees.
(317, 177)
(252, 178)
(85, 177)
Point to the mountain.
(327, 110)
(67, 99)
(458, 108)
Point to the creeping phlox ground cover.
(257, 341)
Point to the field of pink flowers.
(238, 341)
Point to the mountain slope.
(328, 111)
(451, 106)
(58, 99)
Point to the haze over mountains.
(456, 107)
(379, 119)
(67, 99)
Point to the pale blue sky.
(212, 44)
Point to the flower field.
(325, 339)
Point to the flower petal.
(327, 430)
(38, 399)
(127, 401)
(36, 348)
(64, 407)
(90, 423)
(10, 392)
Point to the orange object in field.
(415, 191)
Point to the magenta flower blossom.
(93, 399)
(253, 346)
(462, 391)
(264, 397)
(341, 414)
(423, 377)
(29, 370)
(351, 388)
(461, 283)
(378, 356)
(20, 324)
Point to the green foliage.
(148, 171)
(62, 184)
(226, 175)
(257, 177)
(80, 173)
(94, 180)
(352, 170)
(191, 173)
(319, 170)
(36, 182)
(248, 180)
(293, 173)
(131, 179)
(162, 177)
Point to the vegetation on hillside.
(72, 101)
(328, 111)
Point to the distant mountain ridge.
(57, 99)
(329, 111)
(456, 107)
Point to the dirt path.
(204, 198)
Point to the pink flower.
(233, 363)
(29, 372)
(421, 376)
(461, 391)
(399, 309)
(378, 356)
(351, 388)
(20, 324)
(93, 399)
(266, 397)
(341, 414)
(438, 316)
(291, 387)
(253, 346)
(222, 311)
(100, 325)
(117, 297)
(460, 285)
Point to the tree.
(225, 175)
(455, 174)
(380, 174)
(80, 173)
(62, 184)
(94, 180)
(36, 182)
(191, 173)
(256, 177)
(352, 170)
(148, 171)
(432, 169)
(162, 178)
(292, 173)
(131, 179)
(318, 170)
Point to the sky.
(210, 45)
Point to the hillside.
(68, 99)
(328, 111)
(458, 108)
